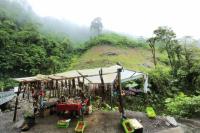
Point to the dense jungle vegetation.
(28, 48)
(24, 49)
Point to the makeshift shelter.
(109, 74)
(70, 82)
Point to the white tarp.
(109, 75)
(128, 75)
(92, 75)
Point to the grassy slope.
(98, 56)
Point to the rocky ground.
(98, 122)
(103, 122)
(6, 117)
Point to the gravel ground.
(6, 122)
(6, 118)
(101, 122)
(98, 122)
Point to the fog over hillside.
(22, 12)
(64, 27)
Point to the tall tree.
(96, 26)
(152, 41)
(167, 38)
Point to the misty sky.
(135, 17)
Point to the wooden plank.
(84, 77)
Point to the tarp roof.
(38, 77)
(91, 75)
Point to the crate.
(132, 126)
(63, 123)
(150, 112)
(127, 126)
(80, 127)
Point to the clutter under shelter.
(73, 90)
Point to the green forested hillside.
(174, 73)
(30, 45)
(24, 50)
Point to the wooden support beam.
(49, 88)
(69, 82)
(24, 89)
(62, 88)
(66, 87)
(73, 87)
(54, 88)
(16, 102)
(57, 89)
(28, 91)
(111, 94)
(119, 87)
(83, 83)
(84, 76)
(102, 84)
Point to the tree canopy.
(24, 50)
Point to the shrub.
(183, 105)
(160, 80)
(115, 40)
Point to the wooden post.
(102, 85)
(83, 84)
(74, 87)
(69, 82)
(96, 89)
(54, 88)
(66, 87)
(62, 87)
(16, 103)
(57, 90)
(120, 90)
(40, 90)
(111, 88)
(51, 87)
(24, 88)
(28, 95)
(78, 79)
